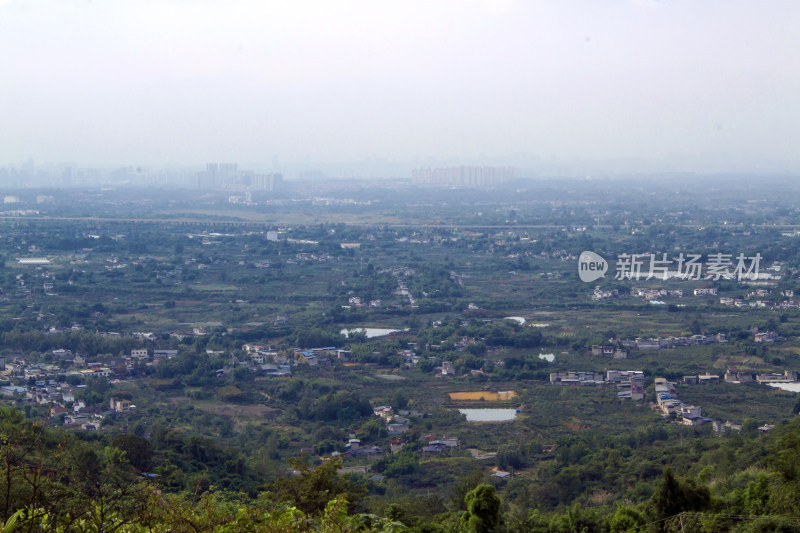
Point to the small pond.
(791, 387)
(489, 415)
(370, 332)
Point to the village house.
(11, 391)
(694, 420)
(707, 378)
(765, 336)
(252, 348)
(577, 378)
(669, 404)
(629, 383)
(353, 447)
(121, 406)
(448, 369)
(276, 370)
(435, 445)
(307, 358)
(383, 411)
(609, 351)
(788, 376)
(140, 354)
(161, 355)
(398, 425)
(75, 419)
(258, 358)
(648, 344)
(57, 410)
(738, 375)
(727, 427)
(705, 292)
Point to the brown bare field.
(482, 395)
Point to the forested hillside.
(52, 481)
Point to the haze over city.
(378, 88)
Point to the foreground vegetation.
(52, 481)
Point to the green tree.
(675, 495)
(483, 510)
(626, 518)
(399, 400)
(312, 488)
(137, 450)
(575, 520)
(464, 486)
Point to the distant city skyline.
(254, 176)
(375, 89)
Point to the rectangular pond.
(489, 415)
(370, 332)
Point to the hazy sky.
(189, 81)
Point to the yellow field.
(483, 395)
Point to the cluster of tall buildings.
(475, 176)
(228, 176)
